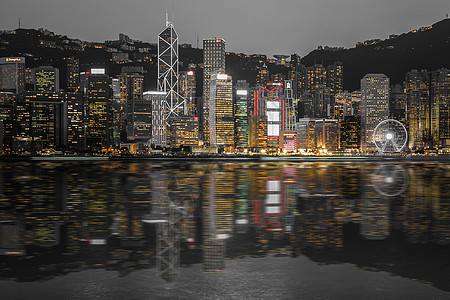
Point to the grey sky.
(249, 26)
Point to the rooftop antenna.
(173, 12)
(19, 23)
(197, 40)
(167, 18)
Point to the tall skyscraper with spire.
(168, 70)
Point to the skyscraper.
(213, 60)
(99, 109)
(270, 103)
(131, 81)
(46, 79)
(241, 113)
(73, 74)
(335, 78)
(187, 91)
(316, 76)
(12, 74)
(440, 114)
(374, 107)
(159, 128)
(168, 70)
(221, 122)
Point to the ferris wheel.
(390, 136)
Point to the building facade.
(374, 107)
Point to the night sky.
(248, 26)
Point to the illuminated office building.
(350, 131)
(342, 105)
(305, 106)
(326, 134)
(98, 94)
(241, 113)
(139, 119)
(374, 107)
(440, 114)
(73, 74)
(168, 70)
(290, 106)
(187, 89)
(270, 103)
(221, 121)
(213, 60)
(257, 132)
(6, 126)
(184, 131)
(288, 141)
(305, 133)
(12, 74)
(131, 81)
(417, 87)
(46, 79)
(76, 130)
(41, 116)
(159, 126)
(397, 103)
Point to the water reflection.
(57, 218)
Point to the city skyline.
(307, 25)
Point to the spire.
(167, 18)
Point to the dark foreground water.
(112, 230)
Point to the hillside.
(394, 57)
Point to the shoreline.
(254, 158)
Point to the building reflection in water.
(57, 218)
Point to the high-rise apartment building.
(374, 107)
(335, 78)
(213, 60)
(12, 74)
(342, 105)
(316, 76)
(221, 120)
(46, 79)
(262, 78)
(73, 74)
(241, 113)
